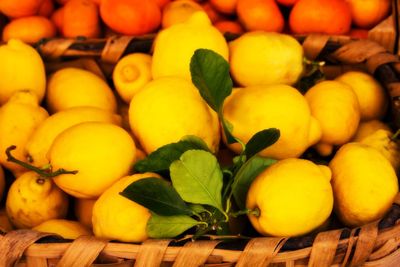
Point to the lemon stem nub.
(42, 172)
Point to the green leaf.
(261, 140)
(158, 196)
(210, 74)
(197, 208)
(227, 127)
(246, 175)
(161, 159)
(197, 177)
(169, 226)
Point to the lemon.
(366, 128)
(118, 218)
(131, 73)
(83, 211)
(382, 141)
(19, 117)
(371, 95)
(293, 197)
(264, 58)
(64, 228)
(175, 45)
(364, 184)
(72, 87)
(43, 136)
(169, 108)
(179, 11)
(335, 106)
(256, 108)
(101, 153)
(21, 68)
(32, 200)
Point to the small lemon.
(131, 73)
(371, 96)
(101, 153)
(21, 68)
(256, 108)
(169, 108)
(364, 184)
(43, 136)
(33, 199)
(83, 211)
(264, 58)
(72, 87)
(175, 45)
(293, 197)
(118, 218)
(335, 106)
(366, 128)
(65, 228)
(19, 117)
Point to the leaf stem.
(395, 135)
(47, 172)
(255, 212)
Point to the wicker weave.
(370, 245)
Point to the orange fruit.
(320, 16)
(131, 17)
(29, 29)
(20, 8)
(162, 3)
(368, 13)
(263, 15)
(225, 6)
(58, 18)
(46, 8)
(287, 2)
(179, 11)
(212, 13)
(230, 26)
(81, 18)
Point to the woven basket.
(375, 244)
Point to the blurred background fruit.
(178, 11)
(29, 29)
(368, 13)
(131, 17)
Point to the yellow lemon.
(179, 11)
(41, 139)
(382, 141)
(169, 108)
(335, 106)
(64, 228)
(293, 197)
(256, 108)
(32, 200)
(366, 128)
(172, 57)
(83, 211)
(364, 184)
(131, 73)
(72, 87)
(101, 152)
(19, 117)
(264, 58)
(21, 68)
(371, 96)
(118, 218)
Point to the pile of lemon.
(73, 120)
